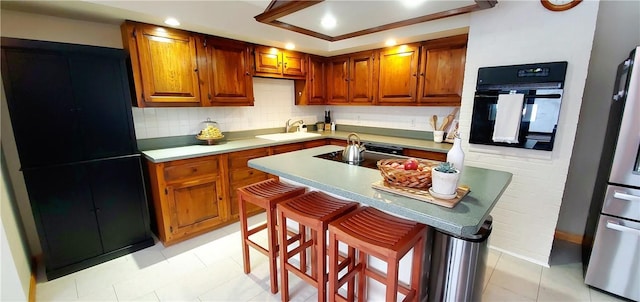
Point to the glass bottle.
(455, 154)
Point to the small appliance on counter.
(518, 106)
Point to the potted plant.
(444, 178)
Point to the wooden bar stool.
(313, 211)
(386, 237)
(265, 194)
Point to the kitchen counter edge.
(193, 151)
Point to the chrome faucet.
(289, 124)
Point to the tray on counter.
(422, 194)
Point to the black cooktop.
(370, 158)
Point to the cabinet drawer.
(245, 173)
(425, 154)
(238, 160)
(286, 148)
(191, 169)
(316, 143)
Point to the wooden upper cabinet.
(278, 63)
(398, 73)
(338, 81)
(351, 79)
(361, 78)
(165, 63)
(316, 81)
(228, 64)
(312, 90)
(442, 71)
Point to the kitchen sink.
(287, 136)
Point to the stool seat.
(265, 194)
(313, 211)
(384, 236)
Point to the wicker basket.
(406, 178)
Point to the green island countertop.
(354, 183)
(249, 141)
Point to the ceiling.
(236, 19)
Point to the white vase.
(444, 183)
(456, 155)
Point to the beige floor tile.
(198, 282)
(61, 289)
(563, 283)
(239, 288)
(497, 293)
(517, 276)
(492, 260)
(148, 297)
(600, 296)
(105, 293)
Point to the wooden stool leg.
(416, 267)
(362, 279)
(273, 250)
(333, 267)
(302, 231)
(392, 279)
(282, 230)
(351, 293)
(321, 264)
(244, 231)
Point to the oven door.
(538, 121)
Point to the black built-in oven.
(541, 86)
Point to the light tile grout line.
(491, 274)
(539, 283)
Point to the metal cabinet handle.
(615, 226)
(625, 196)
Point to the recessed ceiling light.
(412, 3)
(328, 22)
(390, 42)
(172, 22)
(290, 46)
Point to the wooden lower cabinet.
(425, 154)
(189, 197)
(241, 175)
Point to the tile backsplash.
(273, 106)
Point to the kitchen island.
(354, 183)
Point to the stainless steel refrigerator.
(613, 257)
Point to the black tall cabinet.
(71, 116)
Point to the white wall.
(519, 32)
(274, 105)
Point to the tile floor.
(209, 268)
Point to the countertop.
(354, 183)
(225, 146)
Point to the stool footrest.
(258, 247)
(299, 248)
(257, 229)
(348, 276)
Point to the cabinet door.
(64, 214)
(230, 81)
(195, 206)
(103, 103)
(294, 64)
(41, 104)
(268, 60)
(425, 154)
(398, 75)
(168, 64)
(240, 174)
(442, 71)
(361, 80)
(338, 81)
(316, 81)
(120, 201)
